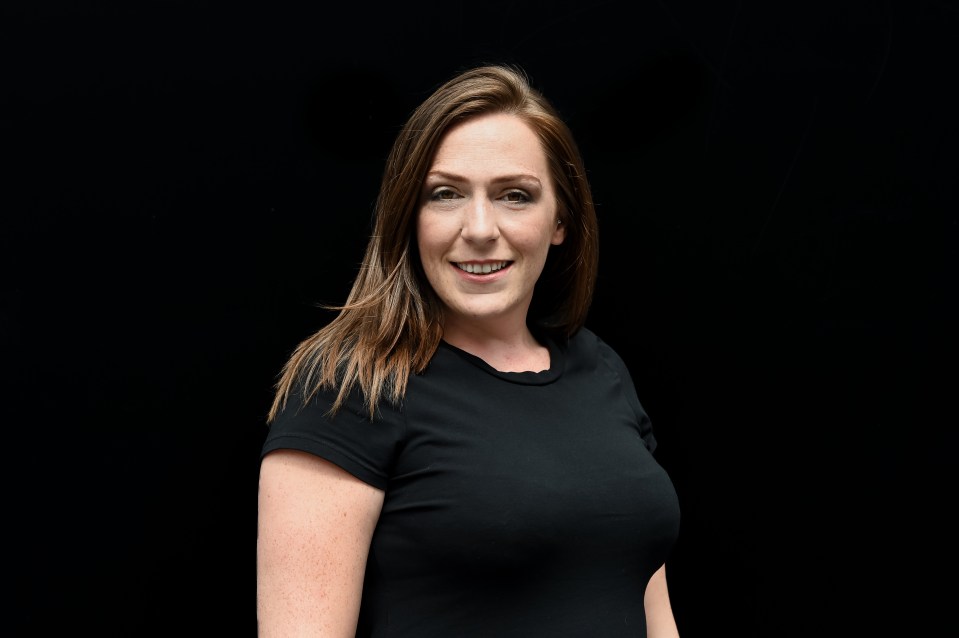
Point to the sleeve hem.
(328, 453)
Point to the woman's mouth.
(484, 268)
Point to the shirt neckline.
(557, 364)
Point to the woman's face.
(487, 218)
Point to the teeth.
(484, 269)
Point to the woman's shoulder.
(585, 341)
(345, 434)
(587, 346)
(312, 400)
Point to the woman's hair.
(391, 323)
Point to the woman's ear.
(559, 234)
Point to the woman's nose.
(479, 221)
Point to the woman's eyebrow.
(515, 177)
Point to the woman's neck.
(506, 350)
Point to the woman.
(455, 454)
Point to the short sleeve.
(350, 439)
(616, 362)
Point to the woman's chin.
(486, 314)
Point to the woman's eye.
(443, 194)
(516, 197)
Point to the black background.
(775, 184)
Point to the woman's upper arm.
(314, 526)
(660, 622)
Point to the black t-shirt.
(516, 503)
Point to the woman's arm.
(659, 613)
(314, 526)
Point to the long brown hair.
(391, 323)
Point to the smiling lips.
(481, 268)
(484, 268)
